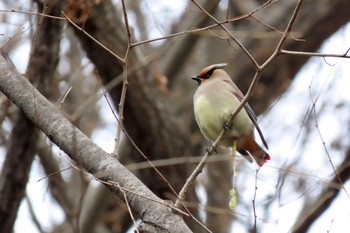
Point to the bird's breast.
(211, 112)
(210, 116)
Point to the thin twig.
(311, 54)
(330, 226)
(125, 83)
(117, 140)
(228, 10)
(139, 195)
(325, 182)
(88, 13)
(176, 161)
(54, 173)
(289, 26)
(96, 177)
(93, 38)
(31, 55)
(347, 51)
(127, 26)
(228, 32)
(83, 188)
(34, 46)
(285, 35)
(178, 199)
(324, 143)
(121, 109)
(64, 97)
(129, 47)
(113, 83)
(205, 28)
(129, 209)
(32, 13)
(33, 215)
(190, 181)
(169, 205)
(254, 200)
(105, 95)
(273, 28)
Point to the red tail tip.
(267, 158)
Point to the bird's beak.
(196, 78)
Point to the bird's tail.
(258, 153)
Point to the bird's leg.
(234, 147)
(233, 200)
(211, 149)
(234, 150)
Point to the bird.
(215, 99)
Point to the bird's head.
(207, 72)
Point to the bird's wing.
(250, 112)
(252, 116)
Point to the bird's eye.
(209, 73)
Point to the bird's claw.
(211, 149)
(227, 126)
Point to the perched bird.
(214, 101)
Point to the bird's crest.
(208, 71)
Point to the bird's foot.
(211, 149)
(227, 126)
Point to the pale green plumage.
(213, 104)
(214, 101)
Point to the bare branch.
(324, 143)
(254, 200)
(32, 13)
(310, 54)
(229, 33)
(92, 38)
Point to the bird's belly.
(208, 118)
(211, 116)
